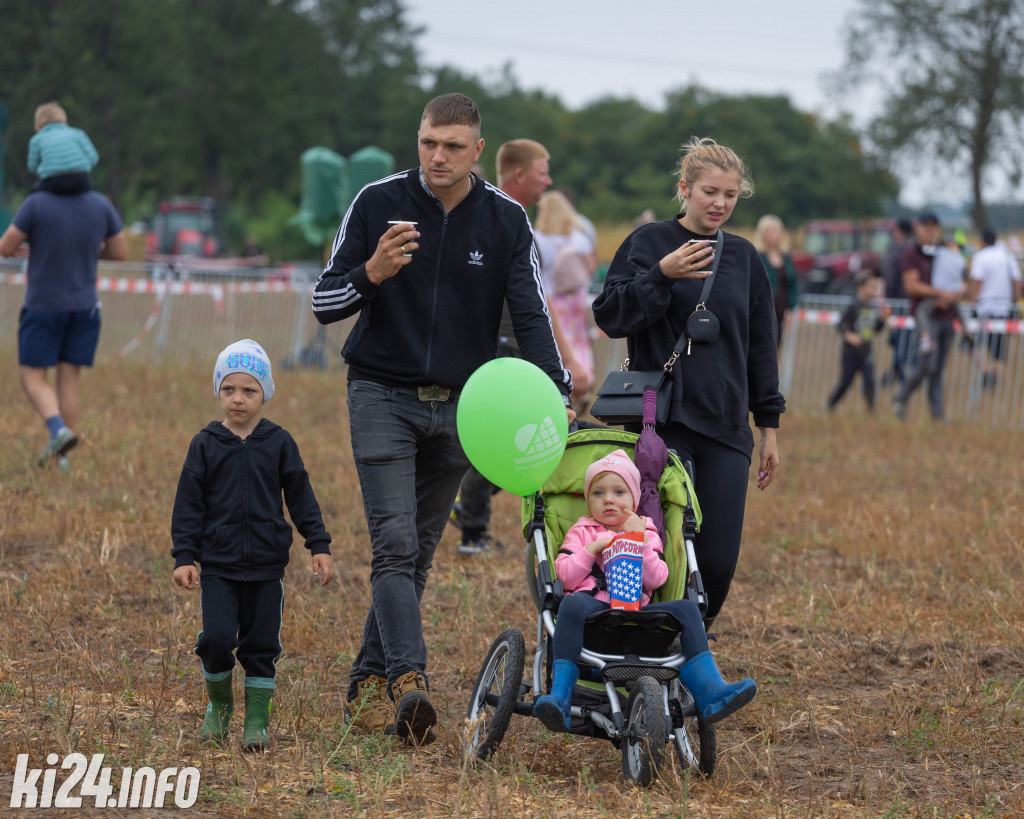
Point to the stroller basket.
(627, 672)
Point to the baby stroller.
(627, 656)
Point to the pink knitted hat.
(619, 463)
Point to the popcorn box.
(624, 570)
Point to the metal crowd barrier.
(190, 313)
(811, 349)
(186, 313)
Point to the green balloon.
(512, 424)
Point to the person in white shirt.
(995, 285)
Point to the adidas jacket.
(437, 320)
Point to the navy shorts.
(997, 341)
(45, 338)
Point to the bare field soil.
(878, 604)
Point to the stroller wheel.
(695, 739)
(646, 732)
(495, 695)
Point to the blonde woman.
(568, 261)
(770, 241)
(653, 285)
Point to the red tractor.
(186, 226)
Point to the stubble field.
(878, 603)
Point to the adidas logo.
(476, 257)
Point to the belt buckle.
(433, 393)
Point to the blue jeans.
(410, 464)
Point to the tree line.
(188, 97)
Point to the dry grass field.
(878, 604)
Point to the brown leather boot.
(372, 712)
(414, 715)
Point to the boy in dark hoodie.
(228, 516)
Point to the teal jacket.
(59, 148)
(792, 289)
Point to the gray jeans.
(931, 366)
(410, 463)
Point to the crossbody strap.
(710, 280)
(704, 293)
(680, 345)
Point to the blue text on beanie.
(245, 356)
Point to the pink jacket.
(574, 562)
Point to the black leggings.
(720, 477)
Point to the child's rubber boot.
(553, 709)
(218, 711)
(714, 697)
(257, 715)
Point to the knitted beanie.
(247, 357)
(619, 463)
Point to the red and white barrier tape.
(122, 285)
(1008, 327)
(161, 288)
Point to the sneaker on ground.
(60, 444)
(479, 545)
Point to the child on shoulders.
(612, 491)
(61, 156)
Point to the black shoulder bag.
(620, 398)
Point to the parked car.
(835, 250)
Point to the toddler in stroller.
(616, 674)
(612, 492)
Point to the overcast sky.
(582, 51)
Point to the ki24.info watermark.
(139, 787)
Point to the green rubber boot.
(257, 715)
(218, 711)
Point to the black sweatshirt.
(718, 384)
(437, 320)
(227, 512)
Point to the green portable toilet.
(368, 165)
(325, 193)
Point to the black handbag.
(620, 398)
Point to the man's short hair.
(905, 226)
(928, 218)
(452, 109)
(988, 236)
(518, 154)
